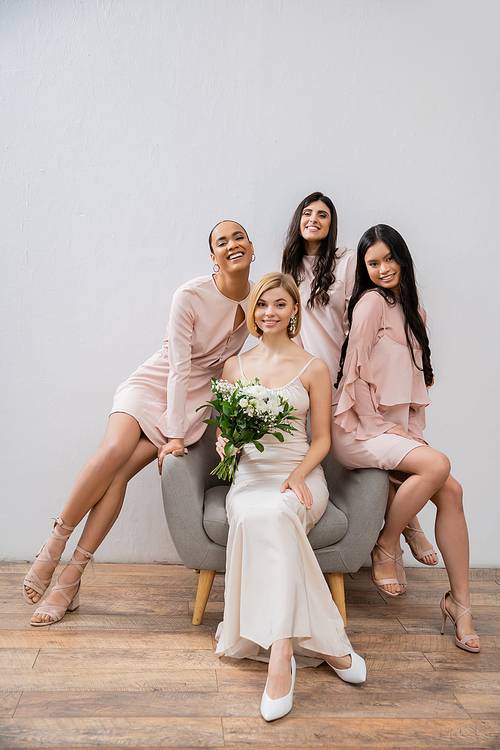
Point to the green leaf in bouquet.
(246, 436)
(226, 409)
(278, 435)
(204, 406)
(259, 446)
(211, 421)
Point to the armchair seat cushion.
(214, 515)
(330, 529)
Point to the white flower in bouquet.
(246, 411)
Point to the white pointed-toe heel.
(275, 708)
(356, 673)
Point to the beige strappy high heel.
(400, 573)
(58, 612)
(409, 537)
(460, 642)
(381, 582)
(32, 580)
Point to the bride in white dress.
(277, 603)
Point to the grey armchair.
(195, 510)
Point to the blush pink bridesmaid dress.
(164, 393)
(324, 328)
(380, 388)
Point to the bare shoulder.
(231, 370)
(317, 372)
(317, 366)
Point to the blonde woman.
(277, 603)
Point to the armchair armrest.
(362, 495)
(184, 481)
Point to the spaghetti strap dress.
(324, 327)
(274, 586)
(164, 393)
(380, 388)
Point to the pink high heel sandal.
(408, 537)
(380, 582)
(462, 642)
(32, 580)
(57, 612)
(401, 573)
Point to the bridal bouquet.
(246, 412)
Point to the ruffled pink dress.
(324, 328)
(164, 393)
(380, 388)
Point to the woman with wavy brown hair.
(325, 275)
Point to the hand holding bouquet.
(246, 412)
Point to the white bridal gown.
(274, 586)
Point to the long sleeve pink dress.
(164, 393)
(380, 388)
(324, 328)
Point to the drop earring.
(216, 268)
(253, 257)
(292, 324)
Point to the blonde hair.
(272, 281)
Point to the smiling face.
(315, 222)
(231, 248)
(274, 309)
(382, 268)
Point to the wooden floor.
(129, 670)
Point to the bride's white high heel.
(356, 673)
(276, 708)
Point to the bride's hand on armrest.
(296, 483)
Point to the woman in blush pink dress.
(153, 414)
(379, 418)
(324, 274)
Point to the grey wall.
(130, 128)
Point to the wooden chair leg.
(202, 594)
(336, 583)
